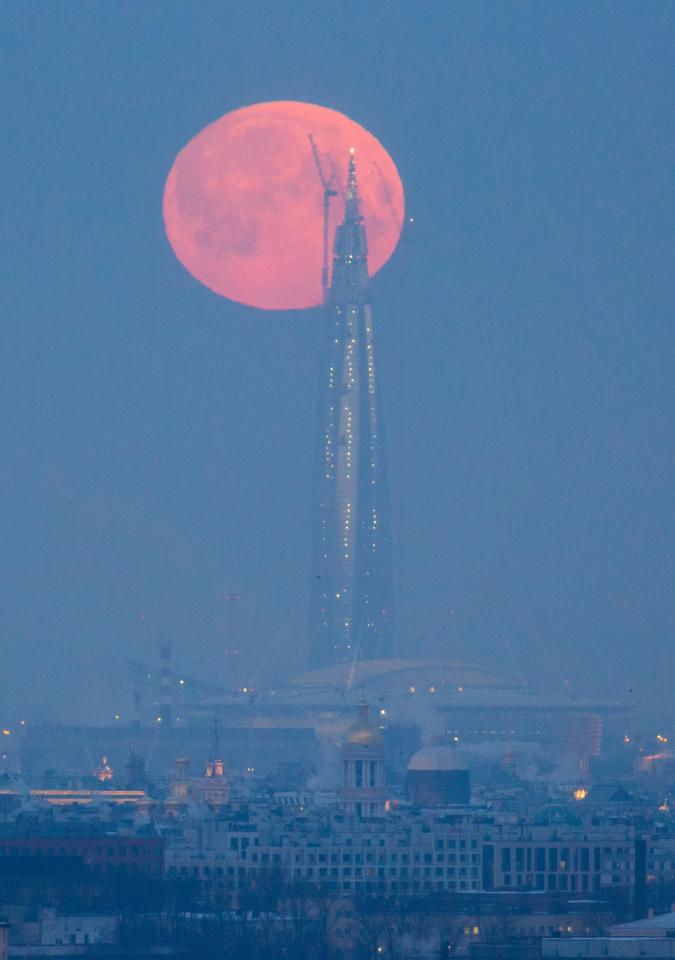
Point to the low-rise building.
(650, 937)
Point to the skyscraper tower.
(351, 602)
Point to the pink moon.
(243, 201)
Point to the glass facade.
(351, 597)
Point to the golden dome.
(363, 733)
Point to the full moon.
(243, 201)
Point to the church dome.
(437, 758)
(363, 733)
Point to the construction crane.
(336, 179)
(328, 184)
(388, 197)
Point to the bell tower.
(363, 790)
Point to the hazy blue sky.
(156, 439)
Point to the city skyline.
(336, 524)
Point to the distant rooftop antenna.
(165, 698)
(328, 184)
(215, 743)
(232, 650)
(138, 675)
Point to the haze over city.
(337, 456)
(158, 439)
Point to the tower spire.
(350, 252)
(352, 211)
